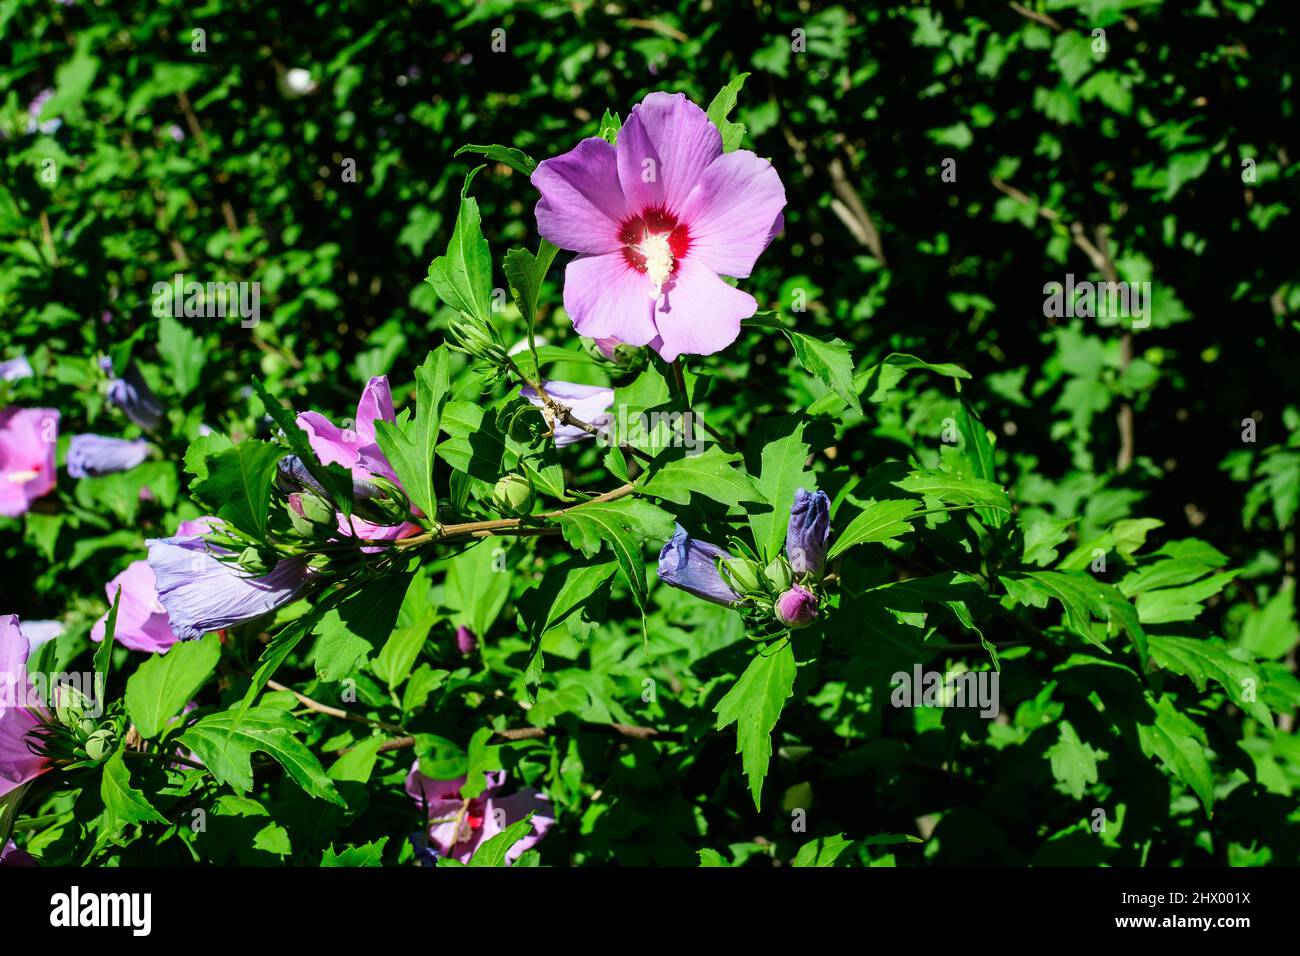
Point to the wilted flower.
(202, 593)
(130, 393)
(11, 370)
(808, 531)
(357, 450)
(459, 825)
(797, 607)
(90, 456)
(27, 443)
(466, 641)
(692, 565)
(657, 220)
(20, 712)
(142, 623)
(588, 403)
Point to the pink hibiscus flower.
(357, 450)
(458, 826)
(27, 442)
(20, 710)
(657, 220)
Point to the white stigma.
(658, 261)
(22, 477)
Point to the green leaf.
(348, 634)
(1180, 745)
(780, 473)
(1271, 630)
(1074, 763)
(478, 585)
(956, 489)
(878, 521)
(525, 273)
(463, 277)
(720, 108)
(831, 361)
(610, 124)
(123, 804)
(709, 475)
(237, 486)
(367, 854)
(516, 159)
(335, 479)
(184, 353)
(165, 683)
(1208, 659)
(225, 743)
(754, 704)
(492, 852)
(1082, 596)
(834, 850)
(409, 443)
(882, 378)
(104, 652)
(622, 525)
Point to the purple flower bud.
(90, 456)
(808, 532)
(691, 564)
(466, 641)
(133, 396)
(202, 593)
(797, 607)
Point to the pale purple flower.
(34, 109)
(175, 132)
(657, 220)
(797, 607)
(131, 394)
(692, 565)
(90, 456)
(28, 437)
(466, 641)
(41, 632)
(458, 826)
(20, 711)
(202, 593)
(11, 370)
(808, 531)
(588, 403)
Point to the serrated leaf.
(463, 277)
(123, 803)
(624, 526)
(184, 353)
(754, 705)
(1179, 744)
(237, 486)
(516, 159)
(831, 361)
(709, 474)
(348, 634)
(410, 443)
(165, 683)
(720, 108)
(1074, 763)
(878, 521)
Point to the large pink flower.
(27, 442)
(20, 711)
(357, 450)
(458, 826)
(657, 220)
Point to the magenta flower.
(588, 403)
(90, 456)
(20, 711)
(797, 607)
(202, 593)
(458, 826)
(656, 221)
(466, 641)
(27, 471)
(357, 450)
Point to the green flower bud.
(743, 574)
(70, 706)
(257, 562)
(513, 495)
(778, 572)
(317, 510)
(101, 744)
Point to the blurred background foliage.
(212, 140)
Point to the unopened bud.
(513, 495)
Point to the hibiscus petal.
(699, 314)
(605, 296)
(376, 405)
(732, 213)
(680, 140)
(332, 445)
(582, 204)
(142, 623)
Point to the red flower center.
(653, 244)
